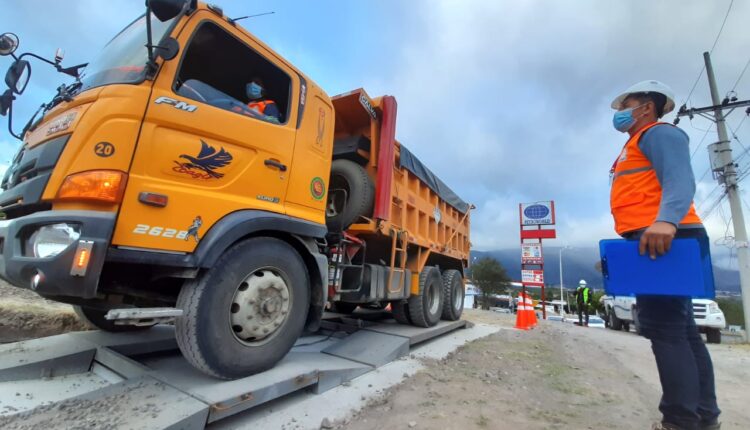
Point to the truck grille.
(27, 177)
(699, 311)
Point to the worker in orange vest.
(652, 201)
(256, 92)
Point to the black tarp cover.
(411, 163)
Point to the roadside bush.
(732, 310)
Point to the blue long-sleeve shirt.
(668, 150)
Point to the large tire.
(614, 322)
(453, 295)
(343, 209)
(713, 335)
(262, 280)
(95, 319)
(400, 312)
(425, 309)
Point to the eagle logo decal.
(205, 164)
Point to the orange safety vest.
(635, 195)
(260, 106)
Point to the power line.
(735, 137)
(701, 141)
(744, 69)
(695, 84)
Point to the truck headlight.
(50, 240)
(713, 308)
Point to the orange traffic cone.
(525, 317)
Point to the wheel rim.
(457, 297)
(260, 307)
(433, 299)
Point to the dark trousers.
(685, 369)
(583, 309)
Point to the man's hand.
(657, 239)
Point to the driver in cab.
(256, 92)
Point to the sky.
(506, 101)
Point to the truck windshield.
(123, 59)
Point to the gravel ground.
(557, 376)
(25, 315)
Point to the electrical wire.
(695, 84)
(701, 141)
(739, 78)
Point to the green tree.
(595, 306)
(732, 309)
(490, 277)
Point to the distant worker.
(652, 202)
(256, 93)
(583, 299)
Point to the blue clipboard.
(680, 272)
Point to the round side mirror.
(18, 76)
(168, 49)
(8, 43)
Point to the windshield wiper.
(64, 94)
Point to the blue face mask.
(254, 91)
(623, 119)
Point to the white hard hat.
(647, 87)
(582, 282)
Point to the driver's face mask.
(254, 91)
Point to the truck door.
(202, 153)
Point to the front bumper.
(712, 321)
(55, 277)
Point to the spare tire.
(351, 194)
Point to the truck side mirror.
(8, 43)
(164, 10)
(168, 48)
(18, 76)
(6, 100)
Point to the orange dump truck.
(190, 173)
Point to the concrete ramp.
(118, 379)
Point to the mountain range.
(578, 263)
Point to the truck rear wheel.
(453, 295)
(425, 309)
(614, 322)
(244, 314)
(95, 318)
(713, 335)
(351, 194)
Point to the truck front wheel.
(713, 335)
(244, 314)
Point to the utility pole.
(725, 170)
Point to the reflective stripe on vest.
(635, 195)
(260, 107)
(586, 295)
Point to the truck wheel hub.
(260, 306)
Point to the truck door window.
(217, 68)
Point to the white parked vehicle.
(620, 312)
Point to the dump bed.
(409, 198)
